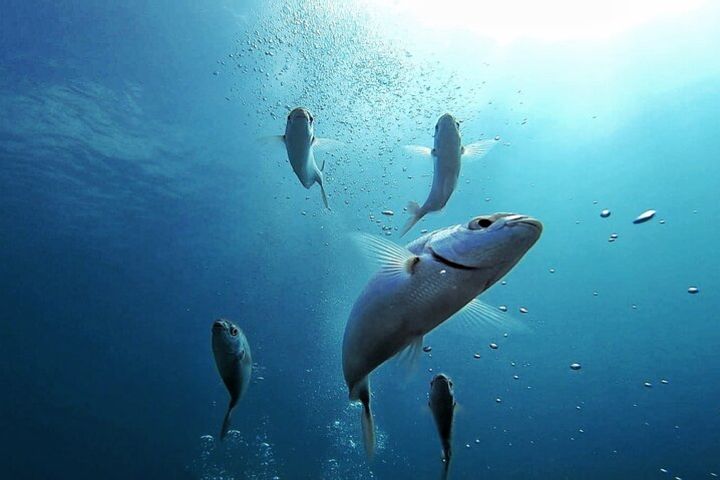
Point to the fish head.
(300, 119)
(489, 243)
(441, 383)
(227, 337)
(447, 124)
(447, 133)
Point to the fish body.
(442, 405)
(447, 150)
(421, 286)
(234, 363)
(299, 140)
(446, 154)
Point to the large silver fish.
(446, 154)
(422, 285)
(300, 143)
(442, 405)
(234, 362)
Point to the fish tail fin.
(368, 425)
(446, 453)
(226, 421)
(445, 472)
(320, 181)
(417, 213)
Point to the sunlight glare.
(548, 20)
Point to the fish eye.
(485, 222)
(480, 223)
(234, 332)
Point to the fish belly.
(391, 313)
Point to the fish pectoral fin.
(419, 150)
(477, 150)
(326, 143)
(272, 140)
(390, 257)
(409, 356)
(479, 315)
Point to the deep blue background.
(138, 202)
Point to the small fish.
(446, 154)
(234, 362)
(442, 405)
(300, 142)
(420, 286)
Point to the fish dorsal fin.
(419, 150)
(478, 314)
(390, 257)
(477, 150)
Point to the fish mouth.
(300, 113)
(449, 263)
(219, 325)
(525, 220)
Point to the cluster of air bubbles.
(645, 216)
(281, 62)
(239, 458)
(345, 447)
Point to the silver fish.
(300, 143)
(442, 405)
(234, 362)
(422, 285)
(446, 155)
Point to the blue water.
(139, 202)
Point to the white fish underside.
(299, 140)
(401, 308)
(445, 177)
